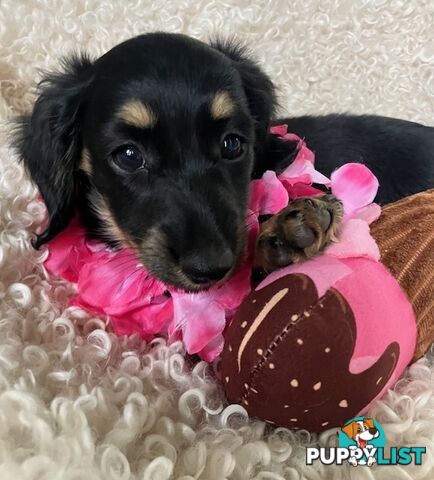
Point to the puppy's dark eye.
(232, 147)
(128, 158)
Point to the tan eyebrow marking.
(85, 163)
(222, 105)
(137, 114)
(110, 228)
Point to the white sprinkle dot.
(227, 379)
(245, 402)
(293, 419)
(299, 341)
(246, 386)
(343, 404)
(253, 390)
(285, 406)
(254, 300)
(259, 351)
(306, 410)
(324, 424)
(294, 317)
(327, 349)
(317, 386)
(244, 324)
(379, 380)
(271, 366)
(230, 348)
(306, 313)
(294, 383)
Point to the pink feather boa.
(114, 284)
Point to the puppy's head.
(351, 430)
(154, 143)
(364, 429)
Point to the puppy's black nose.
(213, 267)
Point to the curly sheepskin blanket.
(78, 403)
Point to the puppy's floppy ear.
(369, 422)
(48, 140)
(271, 153)
(350, 430)
(257, 85)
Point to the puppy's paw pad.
(300, 231)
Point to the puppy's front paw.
(300, 231)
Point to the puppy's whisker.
(253, 213)
(123, 267)
(129, 259)
(126, 279)
(123, 272)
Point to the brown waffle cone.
(405, 236)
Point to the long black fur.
(399, 153)
(49, 140)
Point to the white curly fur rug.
(78, 403)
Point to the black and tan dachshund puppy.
(154, 145)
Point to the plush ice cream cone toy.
(405, 236)
(317, 342)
